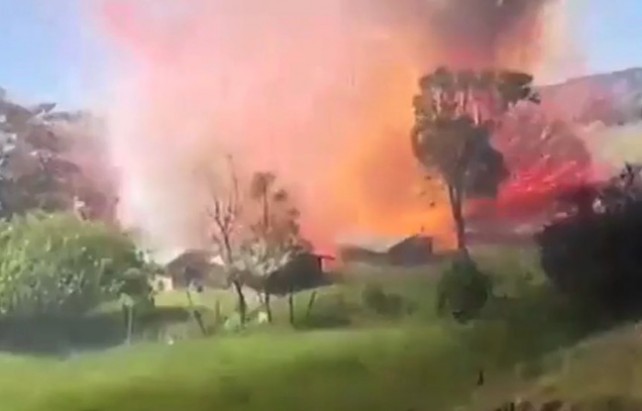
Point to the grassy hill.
(600, 373)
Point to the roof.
(383, 244)
(202, 263)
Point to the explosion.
(318, 92)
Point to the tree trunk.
(217, 313)
(198, 318)
(129, 309)
(268, 307)
(241, 300)
(456, 206)
(266, 212)
(310, 304)
(291, 306)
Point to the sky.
(48, 54)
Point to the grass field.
(527, 345)
(330, 370)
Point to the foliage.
(58, 264)
(463, 290)
(594, 253)
(455, 116)
(274, 235)
(39, 162)
(383, 303)
(256, 237)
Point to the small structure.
(303, 272)
(410, 251)
(201, 266)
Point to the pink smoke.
(318, 92)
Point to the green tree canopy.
(456, 113)
(60, 265)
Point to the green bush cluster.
(57, 264)
(463, 290)
(383, 303)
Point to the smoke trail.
(317, 91)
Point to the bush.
(597, 262)
(594, 255)
(60, 265)
(463, 290)
(382, 303)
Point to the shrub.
(60, 265)
(463, 290)
(596, 262)
(382, 303)
(594, 255)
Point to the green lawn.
(331, 370)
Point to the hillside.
(611, 98)
(601, 373)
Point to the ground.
(344, 356)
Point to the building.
(199, 266)
(412, 251)
(409, 251)
(303, 271)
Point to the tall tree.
(456, 113)
(260, 189)
(47, 161)
(274, 238)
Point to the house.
(409, 251)
(412, 251)
(302, 271)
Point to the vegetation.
(372, 359)
(274, 236)
(456, 114)
(257, 234)
(59, 265)
(601, 273)
(40, 165)
(463, 291)
(69, 283)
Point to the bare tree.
(256, 232)
(224, 213)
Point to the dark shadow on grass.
(65, 336)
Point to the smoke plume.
(317, 91)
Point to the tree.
(274, 237)
(59, 265)
(256, 232)
(456, 114)
(224, 212)
(39, 161)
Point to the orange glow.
(319, 92)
